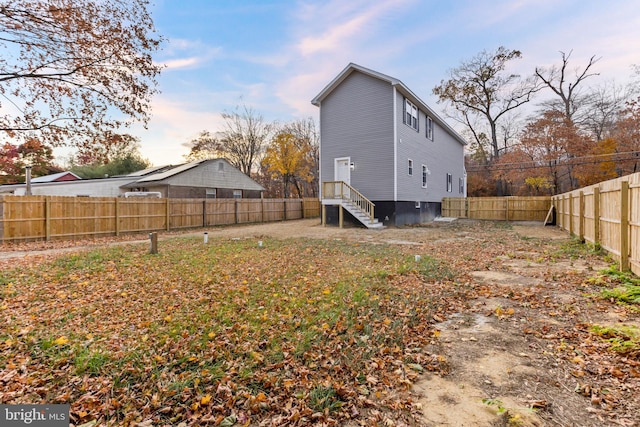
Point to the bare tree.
(556, 79)
(244, 138)
(481, 88)
(206, 145)
(603, 107)
(73, 69)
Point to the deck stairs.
(342, 194)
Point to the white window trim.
(429, 126)
(409, 110)
(449, 183)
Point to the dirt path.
(520, 353)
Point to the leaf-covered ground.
(300, 330)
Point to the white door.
(342, 173)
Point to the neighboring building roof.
(164, 176)
(393, 82)
(56, 177)
(161, 175)
(170, 171)
(150, 170)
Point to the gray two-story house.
(381, 143)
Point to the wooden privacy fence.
(497, 208)
(606, 214)
(57, 217)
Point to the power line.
(572, 161)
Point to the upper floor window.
(461, 184)
(410, 114)
(410, 166)
(449, 183)
(429, 128)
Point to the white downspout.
(320, 151)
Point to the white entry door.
(343, 173)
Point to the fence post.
(571, 214)
(506, 209)
(560, 211)
(47, 218)
(117, 215)
(596, 216)
(237, 214)
(204, 213)
(1, 218)
(261, 209)
(581, 218)
(624, 226)
(324, 214)
(168, 213)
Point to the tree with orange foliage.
(285, 159)
(544, 155)
(598, 164)
(627, 136)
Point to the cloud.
(188, 54)
(325, 37)
(175, 64)
(172, 125)
(343, 26)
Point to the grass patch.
(90, 362)
(323, 399)
(624, 339)
(502, 225)
(624, 287)
(227, 319)
(575, 249)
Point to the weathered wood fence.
(606, 214)
(497, 208)
(25, 218)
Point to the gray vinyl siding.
(442, 155)
(356, 121)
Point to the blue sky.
(275, 56)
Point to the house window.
(410, 114)
(461, 184)
(449, 183)
(410, 165)
(237, 194)
(425, 172)
(210, 193)
(429, 128)
(221, 167)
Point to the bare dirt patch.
(515, 345)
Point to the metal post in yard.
(153, 238)
(27, 177)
